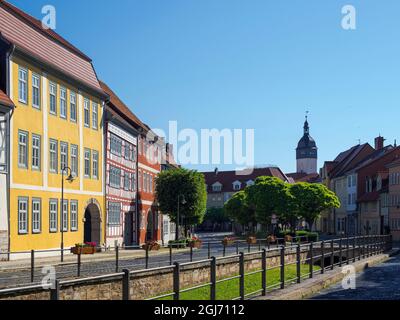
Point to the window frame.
(63, 154)
(63, 102)
(86, 112)
(39, 148)
(26, 222)
(55, 86)
(95, 153)
(26, 134)
(111, 221)
(95, 115)
(74, 159)
(114, 173)
(73, 228)
(87, 151)
(56, 156)
(64, 222)
(73, 102)
(23, 100)
(39, 222)
(51, 212)
(34, 77)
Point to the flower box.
(288, 238)
(228, 242)
(83, 250)
(252, 240)
(195, 244)
(271, 239)
(151, 246)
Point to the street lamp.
(177, 216)
(70, 178)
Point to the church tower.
(306, 152)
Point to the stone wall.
(150, 283)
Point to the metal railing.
(326, 254)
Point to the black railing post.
(170, 254)
(209, 249)
(116, 258)
(259, 245)
(332, 254)
(359, 248)
(354, 249)
(191, 253)
(298, 262)
(213, 278)
(125, 285)
(176, 280)
(340, 252)
(241, 279)
(147, 257)
(249, 247)
(224, 250)
(237, 247)
(32, 265)
(311, 260)
(79, 264)
(347, 250)
(282, 267)
(264, 272)
(55, 292)
(322, 257)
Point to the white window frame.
(23, 85)
(114, 214)
(53, 98)
(36, 215)
(74, 215)
(74, 160)
(53, 165)
(63, 155)
(36, 88)
(73, 110)
(115, 145)
(23, 156)
(64, 211)
(95, 115)
(53, 215)
(36, 148)
(87, 163)
(86, 112)
(63, 103)
(23, 215)
(115, 174)
(95, 164)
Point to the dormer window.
(217, 187)
(250, 183)
(237, 185)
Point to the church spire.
(306, 126)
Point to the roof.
(345, 160)
(119, 106)
(5, 100)
(227, 178)
(27, 34)
(373, 157)
(370, 196)
(304, 177)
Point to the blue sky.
(256, 64)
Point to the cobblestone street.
(376, 283)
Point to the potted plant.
(84, 248)
(271, 239)
(228, 241)
(195, 242)
(251, 240)
(288, 238)
(151, 245)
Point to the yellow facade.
(33, 184)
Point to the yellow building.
(56, 127)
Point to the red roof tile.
(5, 100)
(27, 34)
(304, 177)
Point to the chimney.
(379, 141)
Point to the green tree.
(268, 196)
(310, 199)
(179, 184)
(238, 209)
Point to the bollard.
(147, 257)
(125, 285)
(237, 247)
(282, 267)
(311, 261)
(224, 250)
(322, 257)
(241, 279)
(55, 292)
(264, 272)
(191, 253)
(79, 264)
(332, 254)
(348, 250)
(32, 265)
(213, 279)
(170, 254)
(340, 252)
(116, 258)
(176, 281)
(249, 247)
(298, 263)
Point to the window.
(72, 105)
(115, 145)
(95, 117)
(23, 85)
(140, 180)
(35, 91)
(53, 98)
(151, 183)
(74, 215)
(74, 160)
(36, 215)
(64, 217)
(95, 165)
(115, 177)
(133, 181)
(86, 107)
(349, 181)
(114, 213)
(165, 227)
(35, 152)
(87, 163)
(127, 151)
(127, 181)
(63, 155)
(23, 149)
(22, 215)
(53, 156)
(63, 103)
(145, 182)
(236, 185)
(217, 187)
(3, 142)
(53, 215)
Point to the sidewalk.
(70, 259)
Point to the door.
(128, 228)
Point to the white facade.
(307, 165)
(3, 185)
(168, 229)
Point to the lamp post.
(70, 178)
(177, 216)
